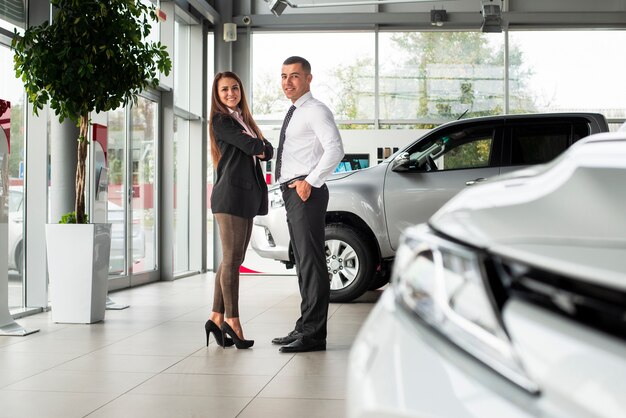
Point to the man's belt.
(285, 185)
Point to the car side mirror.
(401, 162)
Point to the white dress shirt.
(312, 145)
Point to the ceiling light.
(278, 6)
(492, 16)
(437, 17)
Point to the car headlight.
(444, 284)
(276, 198)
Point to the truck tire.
(350, 262)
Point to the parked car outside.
(16, 229)
(115, 217)
(510, 302)
(369, 208)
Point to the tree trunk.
(80, 169)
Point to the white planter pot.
(78, 264)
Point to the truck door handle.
(473, 182)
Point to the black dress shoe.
(303, 345)
(291, 337)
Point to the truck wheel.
(350, 262)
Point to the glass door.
(142, 193)
(12, 134)
(132, 193)
(117, 151)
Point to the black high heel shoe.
(239, 342)
(220, 339)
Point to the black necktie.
(281, 141)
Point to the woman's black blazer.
(240, 188)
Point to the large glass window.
(144, 131)
(12, 126)
(210, 169)
(12, 15)
(342, 66)
(181, 196)
(569, 70)
(183, 35)
(426, 78)
(181, 65)
(133, 173)
(423, 77)
(436, 76)
(116, 207)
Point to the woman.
(239, 194)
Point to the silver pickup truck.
(368, 209)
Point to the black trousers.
(306, 221)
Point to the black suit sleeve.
(227, 130)
(268, 151)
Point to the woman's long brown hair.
(218, 107)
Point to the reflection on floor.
(151, 361)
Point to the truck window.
(463, 148)
(472, 154)
(537, 144)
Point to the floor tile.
(38, 361)
(146, 347)
(290, 408)
(234, 364)
(102, 362)
(203, 385)
(322, 363)
(313, 387)
(71, 381)
(28, 404)
(11, 376)
(163, 406)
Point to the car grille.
(596, 306)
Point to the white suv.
(510, 302)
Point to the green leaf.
(70, 218)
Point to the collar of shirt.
(237, 115)
(306, 96)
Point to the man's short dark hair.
(306, 65)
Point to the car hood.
(566, 217)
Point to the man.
(309, 150)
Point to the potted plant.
(93, 57)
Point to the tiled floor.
(151, 361)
